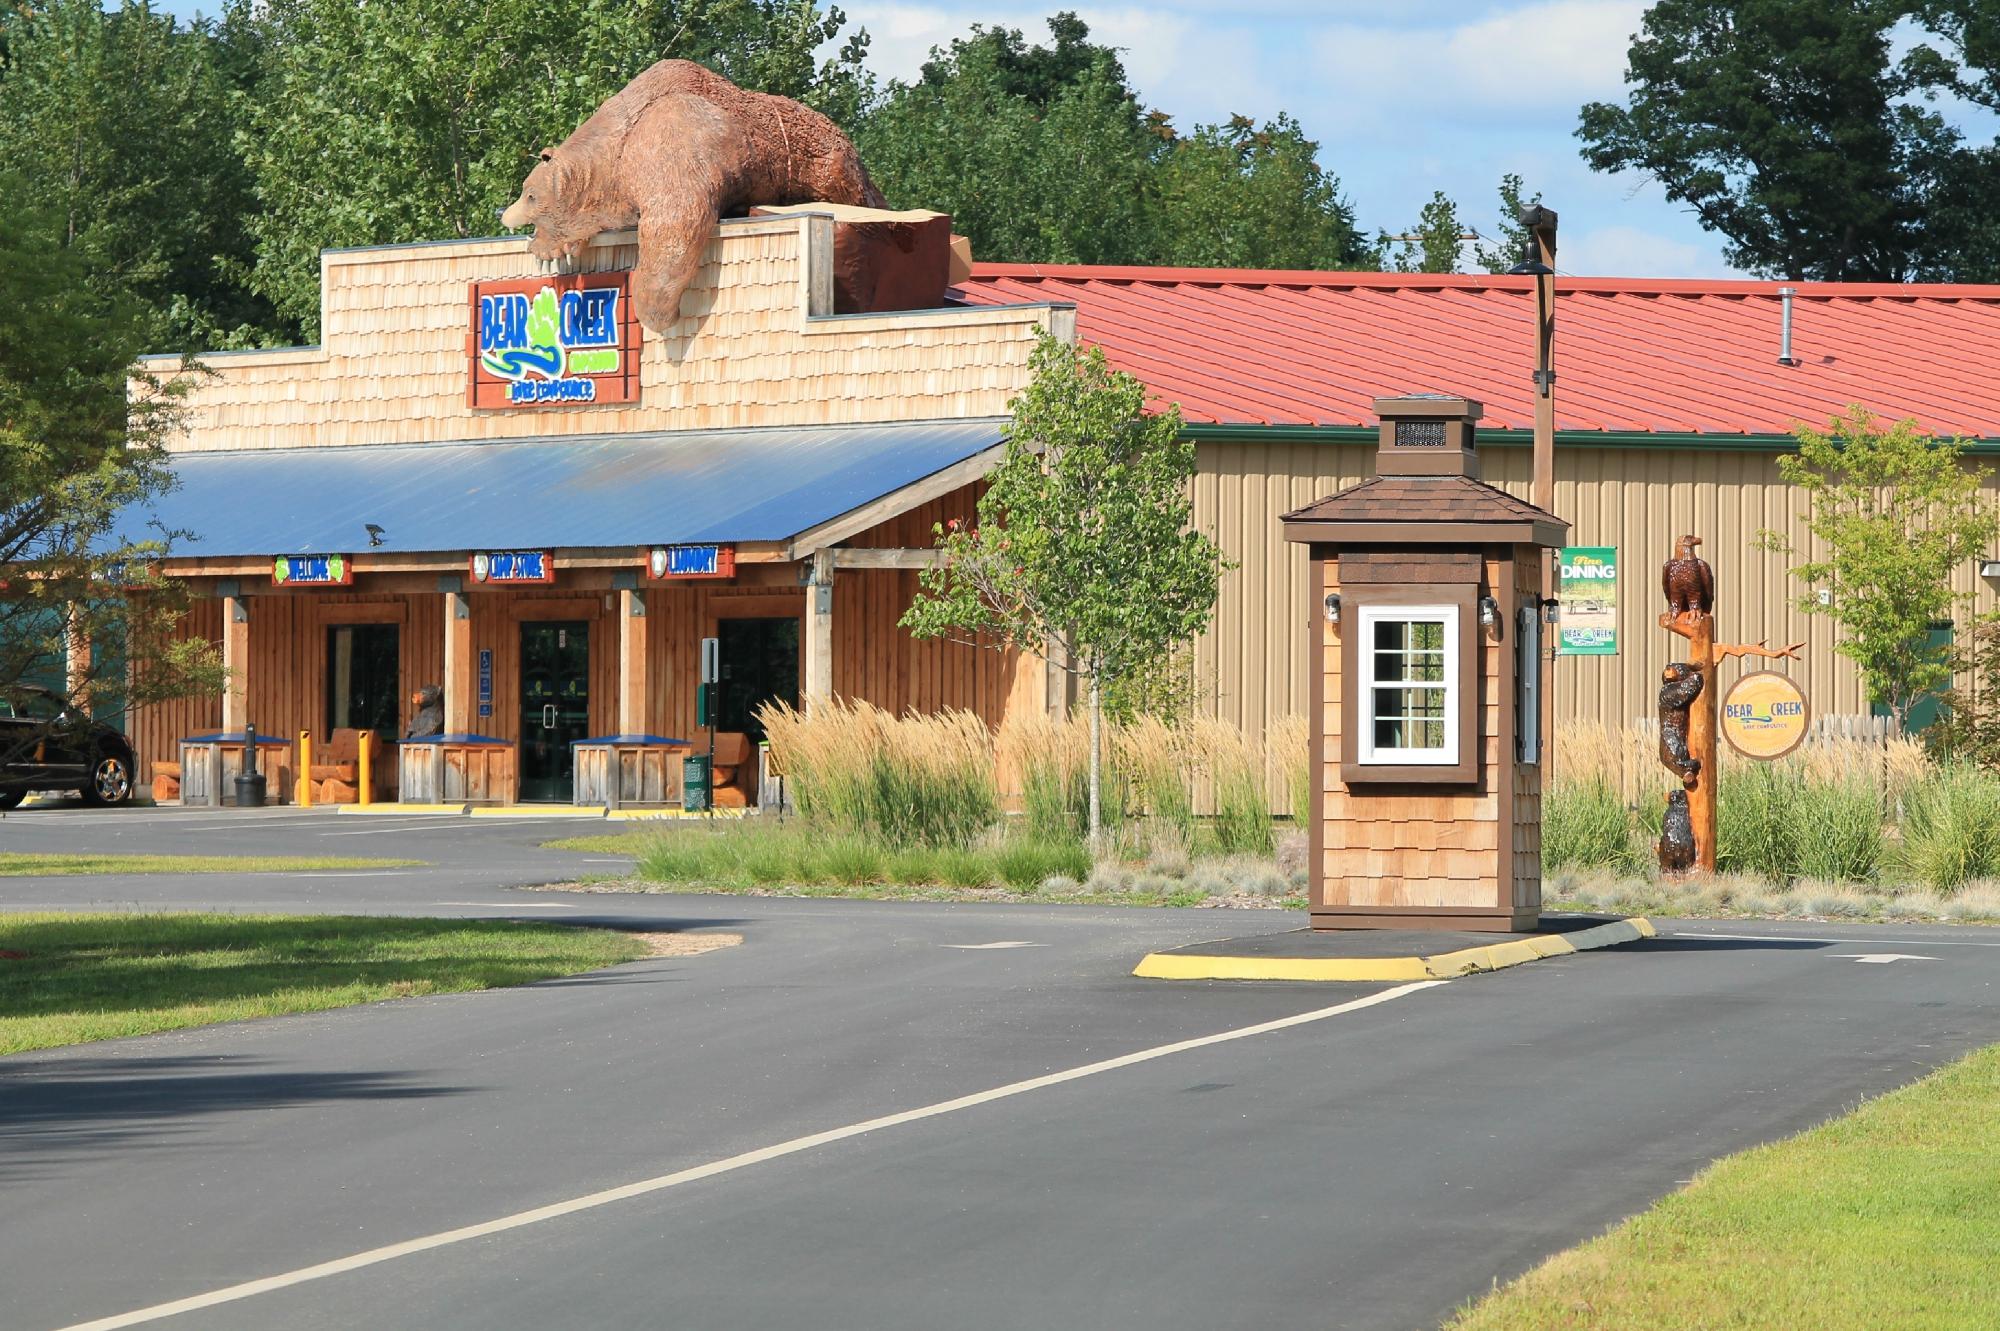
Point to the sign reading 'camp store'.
(553, 341)
(1764, 715)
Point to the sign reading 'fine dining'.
(553, 341)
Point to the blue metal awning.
(549, 492)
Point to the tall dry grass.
(918, 779)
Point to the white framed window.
(1409, 685)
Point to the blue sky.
(1405, 97)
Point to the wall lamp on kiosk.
(1489, 618)
(1333, 608)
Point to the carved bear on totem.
(1680, 685)
(676, 149)
(1675, 848)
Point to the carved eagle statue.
(1687, 580)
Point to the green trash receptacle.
(694, 783)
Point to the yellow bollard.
(305, 768)
(365, 795)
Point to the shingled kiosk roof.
(1423, 495)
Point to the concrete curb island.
(1442, 966)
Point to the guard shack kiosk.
(1427, 807)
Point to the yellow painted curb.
(394, 810)
(538, 811)
(1443, 966)
(668, 815)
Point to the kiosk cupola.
(1428, 435)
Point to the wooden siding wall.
(156, 731)
(1251, 667)
(497, 617)
(874, 658)
(392, 367)
(1412, 845)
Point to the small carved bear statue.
(1676, 845)
(1680, 685)
(429, 716)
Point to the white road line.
(591, 1201)
(1822, 938)
(456, 825)
(351, 873)
(514, 905)
(989, 947)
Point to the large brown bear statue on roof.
(674, 150)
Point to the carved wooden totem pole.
(1687, 708)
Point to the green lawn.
(795, 859)
(23, 864)
(67, 979)
(1886, 1218)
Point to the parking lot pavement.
(900, 1115)
(462, 856)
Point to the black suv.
(45, 744)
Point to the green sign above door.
(1587, 586)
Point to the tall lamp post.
(1538, 257)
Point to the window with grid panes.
(1409, 685)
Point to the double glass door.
(555, 707)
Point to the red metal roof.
(1243, 346)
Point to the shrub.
(1024, 863)
(1242, 822)
(1951, 828)
(1754, 829)
(685, 855)
(1289, 745)
(1584, 825)
(917, 780)
(1153, 757)
(1836, 831)
(852, 861)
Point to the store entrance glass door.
(555, 707)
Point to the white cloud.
(1630, 251)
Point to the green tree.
(121, 125)
(1434, 245)
(1244, 195)
(1084, 537)
(1510, 238)
(1040, 154)
(1895, 512)
(1044, 154)
(72, 457)
(1789, 130)
(419, 120)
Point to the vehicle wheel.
(10, 798)
(110, 781)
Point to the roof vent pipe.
(1785, 356)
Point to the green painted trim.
(1679, 441)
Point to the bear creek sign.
(552, 341)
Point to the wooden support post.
(819, 631)
(458, 681)
(235, 661)
(635, 679)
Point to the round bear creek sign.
(1764, 715)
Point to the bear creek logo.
(1765, 715)
(553, 341)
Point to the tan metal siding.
(1250, 668)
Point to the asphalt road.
(1364, 1166)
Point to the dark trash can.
(250, 781)
(694, 783)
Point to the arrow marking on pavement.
(1880, 958)
(989, 947)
